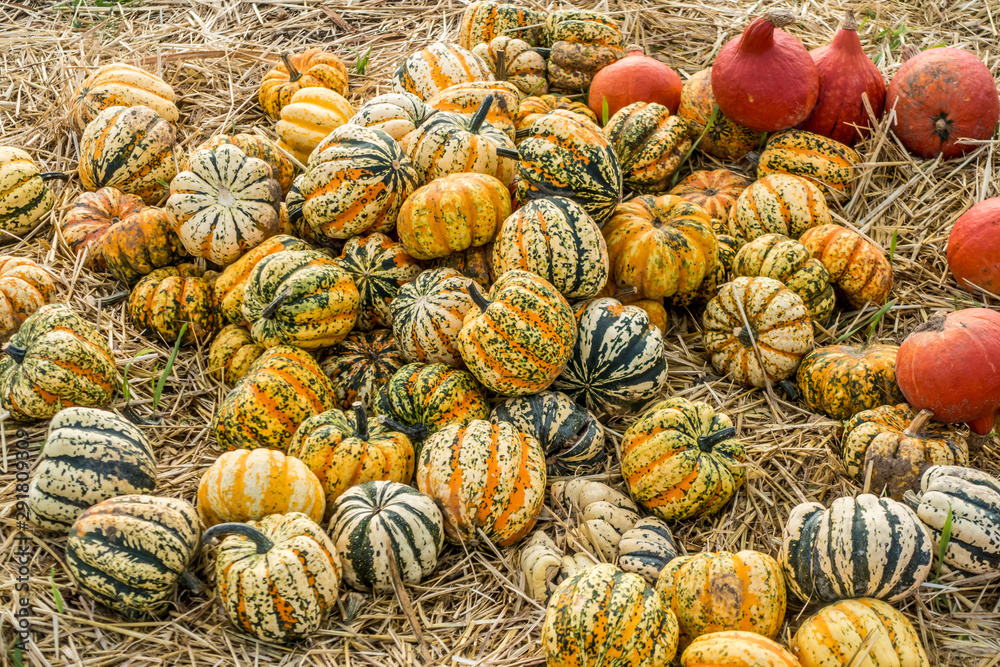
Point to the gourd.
(583, 42)
(311, 68)
(396, 114)
(170, 297)
(534, 107)
(715, 191)
(474, 262)
(90, 217)
(436, 67)
(634, 78)
(466, 98)
(254, 145)
(736, 648)
(89, 456)
(514, 61)
(310, 115)
(540, 562)
(830, 164)
(121, 85)
(842, 380)
(140, 243)
(427, 316)
(232, 353)
(602, 515)
(360, 365)
(646, 548)
(25, 199)
(484, 20)
(778, 204)
(379, 267)
(788, 261)
(723, 137)
(973, 245)
(857, 267)
(24, 288)
(723, 271)
(650, 145)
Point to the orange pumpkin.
(715, 191)
(92, 214)
(311, 68)
(139, 244)
(857, 268)
(24, 288)
(232, 353)
(736, 648)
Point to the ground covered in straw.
(472, 611)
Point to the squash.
(139, 244)
(756, 331)
(603, 616)
(603, 515)
(723, 271)
(382, 526)
(24, 288)
(245, 485)
(121, 85)
(128, 552)
(829, 164)
(617, 360)
(278, 577)
(229, 286)
(650, 145)
(254, 145)
(25, 200)
(715, 191)
(661, 246)
(379, 267)
(778, 204)
(540, 562)
(646, 548)
(682, 459)
(466, 98)
(427, 316)
(89, 456)
(132, 149)
(723, 137)
(857, 267)
(90, 217)
(487, 479)
(570, 436)
(301, 298)
(282, 389)
(836, 632)
(534, 107)
(427, 72)
(973, 245)
(309, 69)
(788, 261)
(475, 263)
(291, 220)
(635, 78)
(309, 116)
(582, 42)
(168, 298)
(842, 380)
(736, 648)
(396, 114)
(513, 60)
(232, 353)
(360, 365)
(890, 550)
(482, 21)
(56, 360)
(518, 339)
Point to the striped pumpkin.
(254, 145)
(380, 526)
(829, 164)
(751, 314)
(128, 552)
(890, 550)
(534, 107)
(715, 191)
(360, 365)
(356, 184)
(140, 243)
(56, 360)
(582, 43)
(232, 353)
(518, 340)
(282, 389)
(723, 271)
(309, 69)
(484, 20)
(570, 436)
(427, 72)
(24, 288)
(617, 360)
(396, 114)
(90, 217)
(646, 548)
(310, 115)
(89, 456)
(488, 480)
(475, 263)
(25, 200)
(662, 246)
(650, 145)
(379, 267)
(291, 220)
(229, 286)
(857, 267)
(466, 98)
(789, 262)
(778, 204)
(278, 577)
(723, 137)
(603, 616)
(132, 149)
(554, 238)
(513, 60)
(719, 591)
(566, 155)
(842, 380)
(168, 298)
(736, 648)
(427, 316)
(831, 636)
(121, 85)
(682, 459)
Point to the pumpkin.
(518, 339)
(232, 353)
(310, 69)
(722, 137)
(484, 20)
(56, 360)
(310, 115)
(566, 155)
(356, 184)
(534, 107)
(278, 577)
(121, 85)
(570, 436)
(890, 550)
(634, 78)
(168, 298)
(788, 261)
(132, 149)
(829, 164)
(514, 61)
(475, 263)
(857, 267)
(427, 316)
(723, 271)
(540, 561)
(968, 502)
(756, 331)
(466, 99)
(554, 238)
(360, 365)
(661, 246)
(778, 204)
(89, 456)
(487, 479)
(603, 616)
(128, 552)
(582, 42)
(650, 145)
(229, 286)
(715, 592)
(382, 526)
(396, 114)
(617, 360)
(898, 446)
(832, 635)
(715, 191)
(24, 198)
(245, 485)
(736, 648)
(973, 247)
(646, 548)
(90, 217)
(140, 243)
(427, 72)
(24, 288)
(291, 220)
(299, 297)
(379, 267)
(603, 514)
(282, 389)
(254, 145)
(682, 459)
(842, 380)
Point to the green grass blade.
(871, 321)
(604, 111)
(708, 126)
(892, 245)
(169, 367)
(943, 543)
(55, 591)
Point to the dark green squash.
(379, 267)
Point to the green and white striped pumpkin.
(427, 72)
(646, 548)
(89, 456)
(427, 315)
(379, 267)
(859, 547)
(25, 200)
(396, 114)
(360, 365)
(373, 519)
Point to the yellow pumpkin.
(121, 85)
(310, 115)
(466, 98)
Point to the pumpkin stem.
(790, 389)
(542, 51)
(360, 420)
(16, 353)
(634, 48)
(942, 127)
(271, 308)
(707, 442)
(264, 544)
(480, 116)
(293, 74)
(53, 175)
(911, 499)
(501, 68)
(849, 22)
(416, 432)
(477, 297)
(191, 582)
(511, 153)
(779, 19)
(918, 422)
(908, 51)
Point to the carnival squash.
(360, 365)
(24, 288)
(121, 85)
(842, 380)
(396, 114)
(788, 261)
(778, 204)
(90, 217)
(715, 191)
(139, 244)
(167, 299)
(482, 21)
(721, 136)
(232, 353)
(650, 145)
(427, 316)
(310, 115)
(827, 163)
(857, 267)
(513, 60)
(430, 70)
(379, 267)
(736, 648)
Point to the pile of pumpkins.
(379, 277)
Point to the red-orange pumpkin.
(93, 213)
(634, 78)
(974, 247)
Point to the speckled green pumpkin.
(427, 316)
(842, 380)
(786, 260)
(25, 200)
(168, 298)
(360, 365)
(379, 267)
(650, 145)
